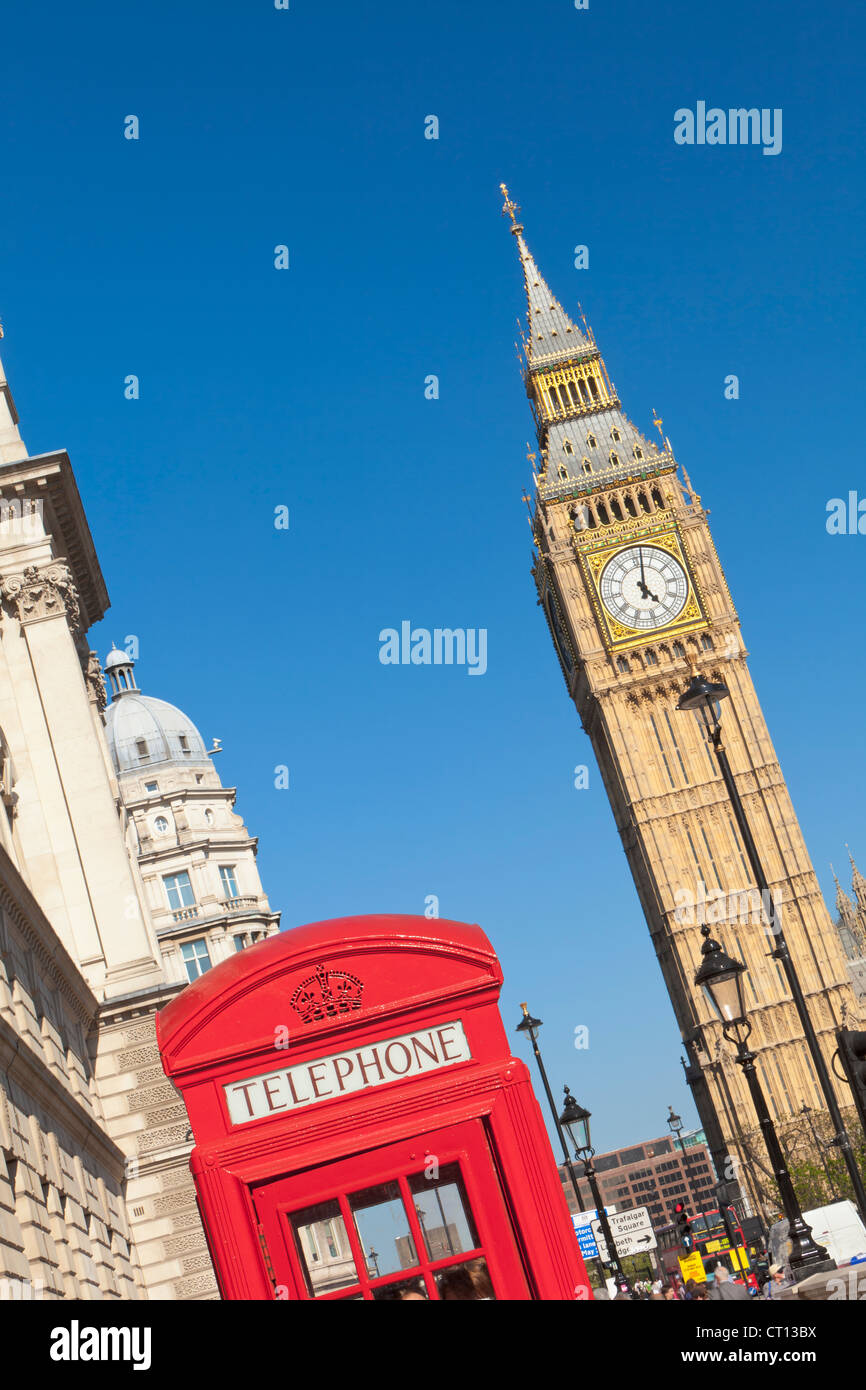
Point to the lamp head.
(575, 1119)
(721, 976)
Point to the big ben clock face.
(644, 587)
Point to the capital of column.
(37, 594)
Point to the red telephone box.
(362, 1130)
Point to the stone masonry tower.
(635, 599)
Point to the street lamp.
(675, 1125)
(530, 1026)
(576, 1120)
(705, 699)
(721, 977)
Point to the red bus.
(715, 1242)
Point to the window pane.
(444, 1213)
(229, 882)
(403, 1291)
(467, 1281)
(383, 1229)
(323, 1248)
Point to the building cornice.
(56, 964)
(50, 477)
(26, 1068)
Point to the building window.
(199, 778)
(706, 642)
(184, 743)
(650, 657)
(592, 441)
(679, 649)
(179, 890)
(160, 825)
(228, 880)
(567, 447)
(141, 748)
(151, 787)
(196, 957)
(615, 435)
(638, 451)
(240, 942)
(587, 466)
(622, 665)
(208, 817)
(563, 471)
(614, 457)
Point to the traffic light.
(684, 1230)
(852, 1053)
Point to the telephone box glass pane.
(403, 1291)
(383, 1229)
(466, 1281)
(323, 1247)
(444, 1213)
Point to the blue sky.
(305, 388)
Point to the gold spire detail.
(511, 209)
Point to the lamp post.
(576, 1120)
(722, 978)
(704, 698)
(675, 1125)
(530, 1026)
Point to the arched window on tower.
(657, 498)
(563, 471)
(592, 441)
(602, 514)
(574, 393)
(616, 508)
(614, 457)
(593, 386)
(629, 504)
(638, 451)
(587, 466)
(622, 665)
(615, 435)
(706, 642)
(644, 501)
(585, 392)
(679, 649)
(567, 446)
(650, 657)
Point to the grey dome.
(143, 732)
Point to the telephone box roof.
(398, 943)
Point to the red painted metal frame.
(417, 973)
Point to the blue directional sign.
(583, 1230)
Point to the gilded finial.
(512, 209)
(658, 422)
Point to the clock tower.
(636, 600)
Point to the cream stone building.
(124, 873)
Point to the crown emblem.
(327, 994)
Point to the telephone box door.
(423, 1218)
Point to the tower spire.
(551, 334)
(12, 446)
(858, 883)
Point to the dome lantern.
(118, 667)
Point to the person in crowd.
(669, 1294)
(776, 1282)
(725, 1290)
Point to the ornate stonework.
(36, 594)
